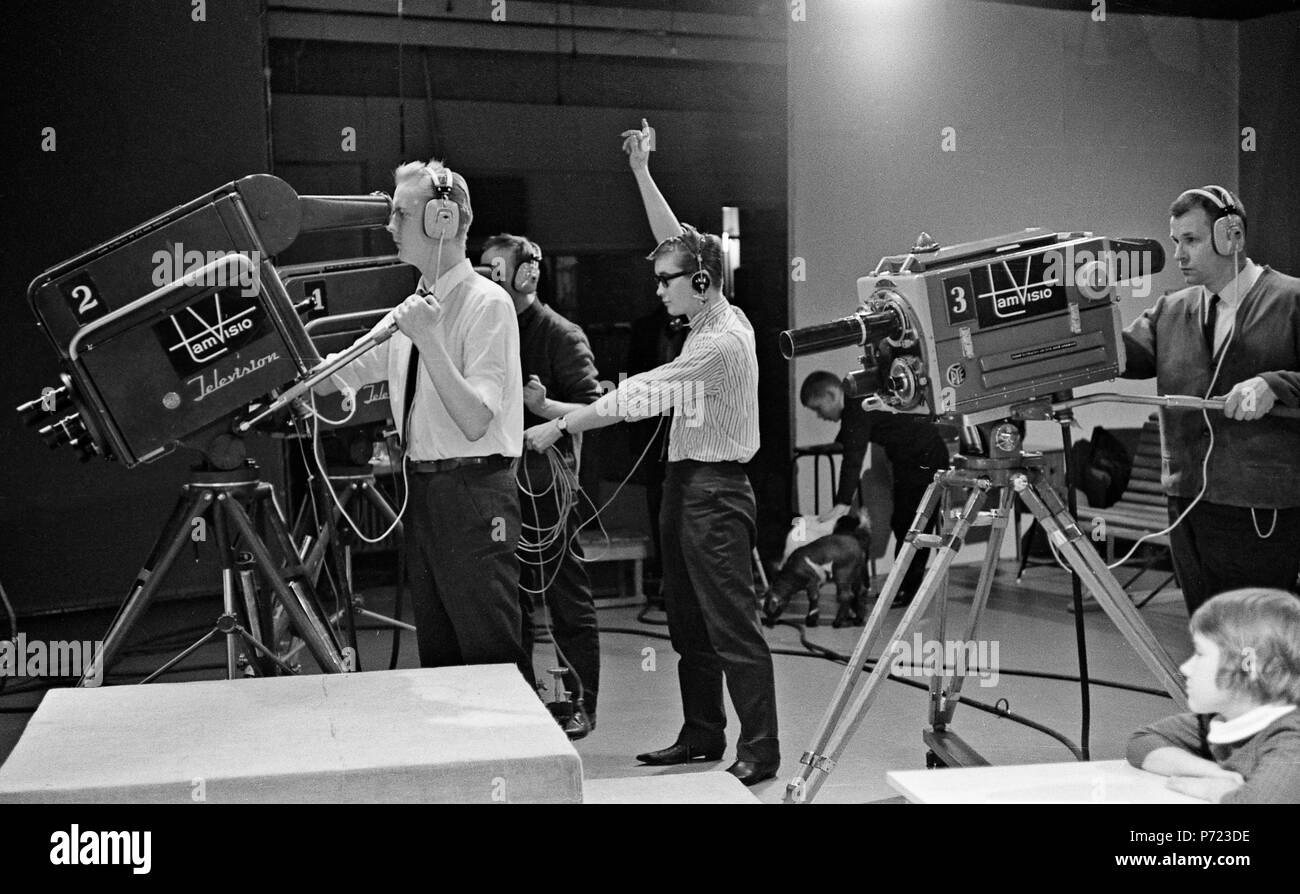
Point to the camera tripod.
(993, 482)
(334, 537)
(222, 500)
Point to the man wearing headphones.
(560, 370)
(454, 362)
(707, 524)
(1233, 333)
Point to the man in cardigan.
(1233, 333)
(560, 374)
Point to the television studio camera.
(346, 300)
(167, 335)
(985, 334)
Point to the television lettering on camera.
(987, 334)
(168, 334)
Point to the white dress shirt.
(1229, 301)
(481, 335)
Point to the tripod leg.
(256, 646)
(339, 560)
(296, 595)
(834, 733)
(371, 494)
(1092, 571)
(382, 506)
(151, 576)
(857, 661)
(227, 585)
(315, 557)
(257, 611)
(949, 696)
(215, 631)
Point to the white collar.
(1225, 732)
(1237, 287)
(449, 279)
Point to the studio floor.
(1029, 624)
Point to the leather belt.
(429, 467)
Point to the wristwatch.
(561, 424)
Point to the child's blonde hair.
(1257, 631)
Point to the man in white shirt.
(464, 430)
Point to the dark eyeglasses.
(665, 278)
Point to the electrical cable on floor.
(816, 650)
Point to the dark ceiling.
(1199, 9)
(1192, 9)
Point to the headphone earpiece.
(529, 269)
(700, 279)
(441, 214)
(1229, 238)
(1228, 230)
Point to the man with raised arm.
(707, 524)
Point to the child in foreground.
(1241, 744)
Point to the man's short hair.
(522, 249)
(694, 250)
(459, 190)
(1265, 621)
(817, 384)
(1189, 200)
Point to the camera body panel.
(351, 296)
(167, 332)
(996, 322)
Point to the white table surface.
(1076, 782)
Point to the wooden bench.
(621, 547)
(1141, 510)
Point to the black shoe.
(753, 772)
(679, 754)
(902, 600)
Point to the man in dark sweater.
(913, 445)
(559, 373)
(1233, 333)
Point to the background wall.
(150, 109)
(1270, 103)
(1060, 122)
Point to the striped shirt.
(712, 387)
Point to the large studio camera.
(985, 325)
(344, 300)
(168, 332)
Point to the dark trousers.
(708, 529)
(561, 572)
(1218, 548)
(907, 499)
(461, 535)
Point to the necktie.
(412, 378)
(1211, 320)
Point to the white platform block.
(461, 734)
(711, 787)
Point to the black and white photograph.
(652, 402)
